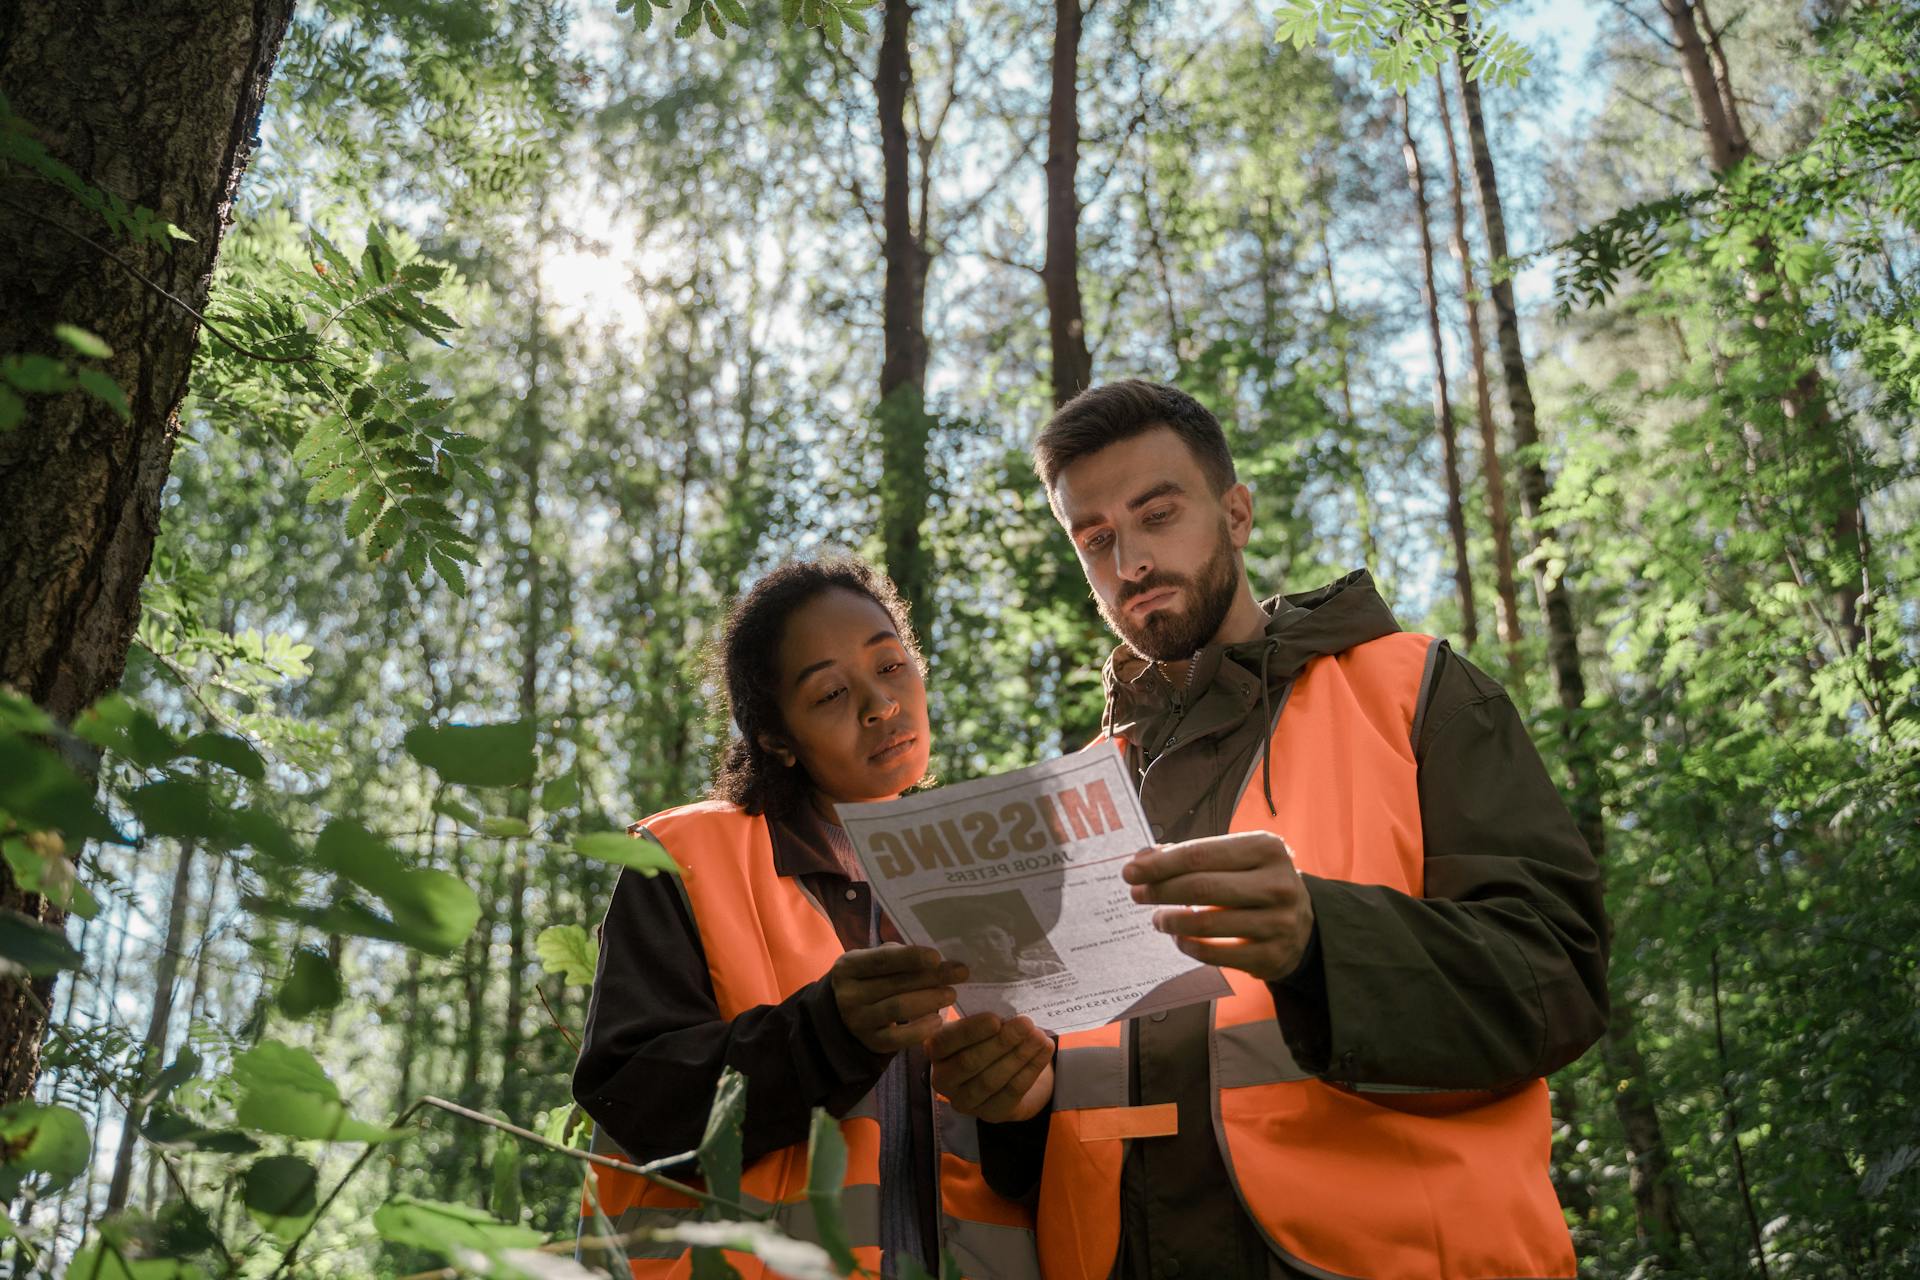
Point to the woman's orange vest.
(1388, 1183)
(765, 938)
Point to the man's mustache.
(1158, 580)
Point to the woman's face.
(852, 698)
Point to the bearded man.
(1353, 825)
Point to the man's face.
(1159, 549)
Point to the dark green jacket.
(1496, 977)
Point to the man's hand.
(993, 1069)
(1242, 889)
(891, 996)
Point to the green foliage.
(826, 1172)
(281, 1193)
(285, 1091)
(480, 755)
(43, 1143)
(1405, 40)
(44, 375)
(622, 850)
(312, 987)
(565, 949)
(830, 17)
(449, 1230)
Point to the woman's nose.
(880, 706)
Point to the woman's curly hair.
(745, 664)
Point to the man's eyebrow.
(878, 637)
(1165, 489)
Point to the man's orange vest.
(765, 938)
(1387, 1183)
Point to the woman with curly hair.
(768, 954)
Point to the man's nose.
(1130, 560)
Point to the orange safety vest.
(765, 938)
(1382, 1182)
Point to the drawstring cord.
(1266, 727)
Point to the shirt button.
(1161, 1016)
(852, 894)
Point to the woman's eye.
(891, 667)
(825, 698)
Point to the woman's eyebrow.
(878, 637)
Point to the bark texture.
(1066, 325)
(1492, 464)
(1442, 400)
(1652, 1176)
(904, 483)
(158, 103)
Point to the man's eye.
(1097, 541)
(1161, 516)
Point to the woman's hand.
(891, 996)
(996, 1070)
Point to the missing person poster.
(1018, 877)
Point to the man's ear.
(777, 747)
(1237, 502)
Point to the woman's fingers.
(873, 990)
(886, 959)
(963, 1032)
(893, 1038)
(1000, 1076)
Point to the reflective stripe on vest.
(1389, 1183)
(740, 903)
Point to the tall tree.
(1492, 465)
(905, 487)
(79, 482)
(1653, 1177)
(1805, 402)
(1066, 325)
(1442, 402)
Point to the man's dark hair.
(746, 664)
(1116, 411)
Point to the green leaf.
(448, 1229)
(459, 812)
(639, 853)
(366, 507)
(566, 949)
(27, 945)
(184, 1229)
(41, 793)
(826, 1177)
(783, 1255)
(281, 1193)
(49, 1141)
(313, 986)
(117, 724)
(98, 384)
(477, 755)
(285, 1091)
(504, 1198)
(36, 374)
(562, 792)
(21, 715)
(84, 343)
(181, 808)
(227, 751)
(430, 909)
(100, 1261)
(504, 827)
(449, 570)
(719, 1153)
(13, 410)
(40, 865)
(165, 1127)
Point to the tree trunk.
(905, 488)
(1492, 468)
(513, 1064)
(1066, 327)
(1362, 496)
(159, 1023)
(1656, 1209)
(157, 103)
(1442, 402)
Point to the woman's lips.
(893, 750)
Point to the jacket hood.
(1331, 619)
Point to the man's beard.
(1169, 633)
